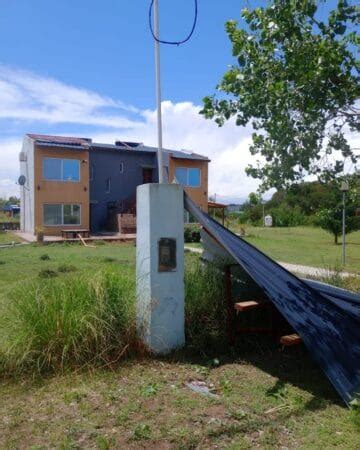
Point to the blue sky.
(87, 68)
(106, 45)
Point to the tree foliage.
(296, 82)
(10, 201)
(330, 220)
(330, 216)
(308, 203)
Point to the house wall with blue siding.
(104, 164)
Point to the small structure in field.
(214, 207)
(268, 221)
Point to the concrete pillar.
(160, 266)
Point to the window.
(56, 169)
(59, 214)
(108, 185)
(52, 169)
(52, 214)
(121, 167)
(71, 214)
(188, 176)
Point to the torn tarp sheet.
(326, 318)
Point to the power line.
(188, 37)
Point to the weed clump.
(45, 257)
(71, 322)
(2, 263)
(67, 268)
(47, 273)
(109, 259)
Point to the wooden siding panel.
(59, 191)
(200, 194)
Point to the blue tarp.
(326, 318)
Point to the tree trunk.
(336, 239)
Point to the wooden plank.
(83, 241)
(250, 304)
(290, 339)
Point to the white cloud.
(185, 128)
(26, 96)
(8, 188)
(9, 166)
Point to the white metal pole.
(263, 205)
(158, 92)
(343, 230)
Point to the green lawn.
(5, 218)
(8, 238)
(305, 245)
(265, 398)
(19, 264)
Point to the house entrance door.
(147, 175)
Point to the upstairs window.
(187, 176)
(56, 169)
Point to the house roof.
(68, 141)
(145, 148)
(79, 142)
(216, 205)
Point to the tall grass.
(52, 324)
(205, 308)
(73, 321)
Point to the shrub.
(285, 216)
(205, 308)
(55, 324)
(45, 257)
(192, 233)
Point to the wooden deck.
(108, 237)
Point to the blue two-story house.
(77, 183)
(116, 170)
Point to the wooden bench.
(290, 339)
(73, 234)
(250, 304)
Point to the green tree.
(331, 221)
(254, 199)
(296, 82)
(13, 200)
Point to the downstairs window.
(61, 214)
